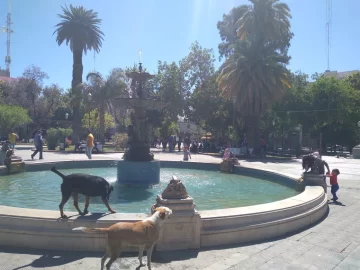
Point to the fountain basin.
(138, 173)
(20, 226)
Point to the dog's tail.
(53, 169)
(91, 230)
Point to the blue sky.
(164, 30)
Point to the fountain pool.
(210, 189)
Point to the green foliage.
(327, 105)
(54, 136)
(209, 108)
(12, 116)
(354, 81)
(95, 121)
(228, 30)
(266, 23)
(79, 27)
(120, 141)
(169, 128)
(104, 92)
(255, 71)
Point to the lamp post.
(66, 118)
(89, 99)
(234, 110)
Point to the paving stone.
(332, 244)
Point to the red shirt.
(263, 142)
(333, 179)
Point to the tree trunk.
(252, 128)
(102, 121)
(77, 90)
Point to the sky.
(164, 30)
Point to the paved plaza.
(334, 243)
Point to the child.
(186, 153)
(334, 183)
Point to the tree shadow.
(50, 258)
(163, 257)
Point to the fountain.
(139, 166)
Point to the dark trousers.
(39, 149)
(334, 189)
(179, 146)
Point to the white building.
(340, 75)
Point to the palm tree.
(266, 21)
(256, 76)
(79, 28)
(105, 90)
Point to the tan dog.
(142, 234)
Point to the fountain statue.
(13, 163)
(139, 166)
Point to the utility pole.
(7, 29)
(328, 30)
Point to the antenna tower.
(7, 29)
(328, 30)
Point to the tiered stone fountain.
(139, 166)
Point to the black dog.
(308, 162)
(85, 184)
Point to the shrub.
(56, 135)
(120, 141)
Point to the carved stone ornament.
(175, 190)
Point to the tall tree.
(266, 21)
(228, 30)
(209, 108)
(255, 74)
(197, 66)
(79, 28)
(255, 77)
(104, 90)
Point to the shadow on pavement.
(163, 257)
(336, 203)
(50, 258)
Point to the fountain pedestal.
(138, 173)
(311, 179)
(182, 230)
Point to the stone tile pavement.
(334, 243)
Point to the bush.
(120, 141)
(56, 135)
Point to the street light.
(66, 118)
(89, 99)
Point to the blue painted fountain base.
(138, 173)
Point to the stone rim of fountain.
(216, 227)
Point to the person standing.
(263, 146)
(12, 137)
(179, 143)
(334, 183)
(187, 154)
(39, 143)
(89, 144)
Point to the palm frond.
(79, 28)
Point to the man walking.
(89, 144)
(39, 143)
